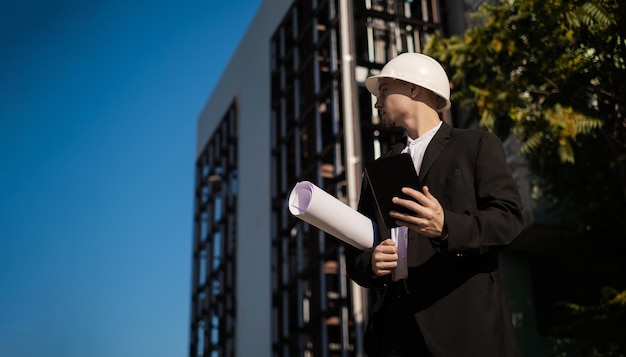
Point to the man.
(434, 283)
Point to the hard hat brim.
(371, 83)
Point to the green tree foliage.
(554, 74)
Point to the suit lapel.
(397, 148)
(432, 152)
(434, 149)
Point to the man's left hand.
(428, 217)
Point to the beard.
(389, 123)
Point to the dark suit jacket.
(456, 293)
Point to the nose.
(378, 104)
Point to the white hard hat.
(418, 69)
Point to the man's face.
(393, 100)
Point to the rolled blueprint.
(321, 210)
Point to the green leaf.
(566, 153)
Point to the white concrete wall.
(247, 77)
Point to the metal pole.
(352, 137)
(353, 163)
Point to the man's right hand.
(385, 258)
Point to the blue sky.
(98, 108)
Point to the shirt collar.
(424, 138)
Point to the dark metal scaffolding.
(315, 307)
(215, 238)
(321, 132)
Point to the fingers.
(427, 217)
(384, 258)
(429, 195)
(426, 192)
(388, 242)
(424, 198)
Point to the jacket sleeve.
(494, 217)
(359, 262)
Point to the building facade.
(292, 106)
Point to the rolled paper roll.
(323, 211)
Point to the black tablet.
(386, 177)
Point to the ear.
(415, 90)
